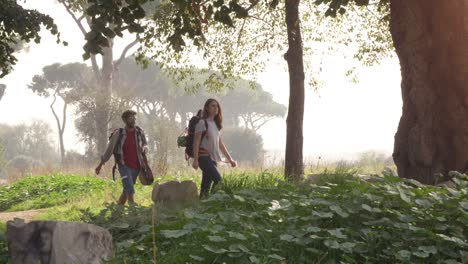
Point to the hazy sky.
(341, 118)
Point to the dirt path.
(26, 215)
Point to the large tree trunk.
(294, 56)
(103, 99)
(430, 37)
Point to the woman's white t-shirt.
(210, 141)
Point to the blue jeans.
(128, 176)
(210, 176)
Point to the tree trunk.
(294, 56)
(60, 126)
(430, 37)
(2, 90)
(103, 98)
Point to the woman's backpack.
(187, 139)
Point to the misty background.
(343, 120)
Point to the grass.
(255, 217)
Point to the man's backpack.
(187, 139)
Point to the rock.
(57, 242)
(448, 184)
(174, 193)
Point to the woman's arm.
(223, 149)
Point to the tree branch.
(124, 52)
(77, 20)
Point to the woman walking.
(207, 145)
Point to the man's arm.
(109, 151)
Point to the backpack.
(187, 139)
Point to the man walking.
(128, 145)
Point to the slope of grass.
(49, 190)
(257, 218)
(345, 220)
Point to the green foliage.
(47, 191)
(336, 7)
(343, 220)
(19, 24)
(257, 218)
(247, 39)
(123, 14)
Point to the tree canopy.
(18, 24)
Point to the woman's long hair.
(219, 117)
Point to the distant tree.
(23, 164)
(61, 81)
(255, 107)
(19, 25)
(245, 145)
(29, 140)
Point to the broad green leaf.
(217, 228)
(214, 250)
(190, 226)
(464, 204)
(421, 254)
(120, 225)
(313, 229)
(240, 247)
(235, 255)
(228, 217)
(403, 196)
(237, 235)
(332, 244)
(216, 239)
(175, 233)
(347, 245)
(286, 237)
(239, 198)
(323, 214)
(339, 211)
(274, 256)
(428, 249)
(453, 239)
(189, 213)
(126, 243)
(405, 254)
(144, 228)
(337, 233)
(275, 205)
(197, 258)
(406, 218)
(424, 203)
(254, 259)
